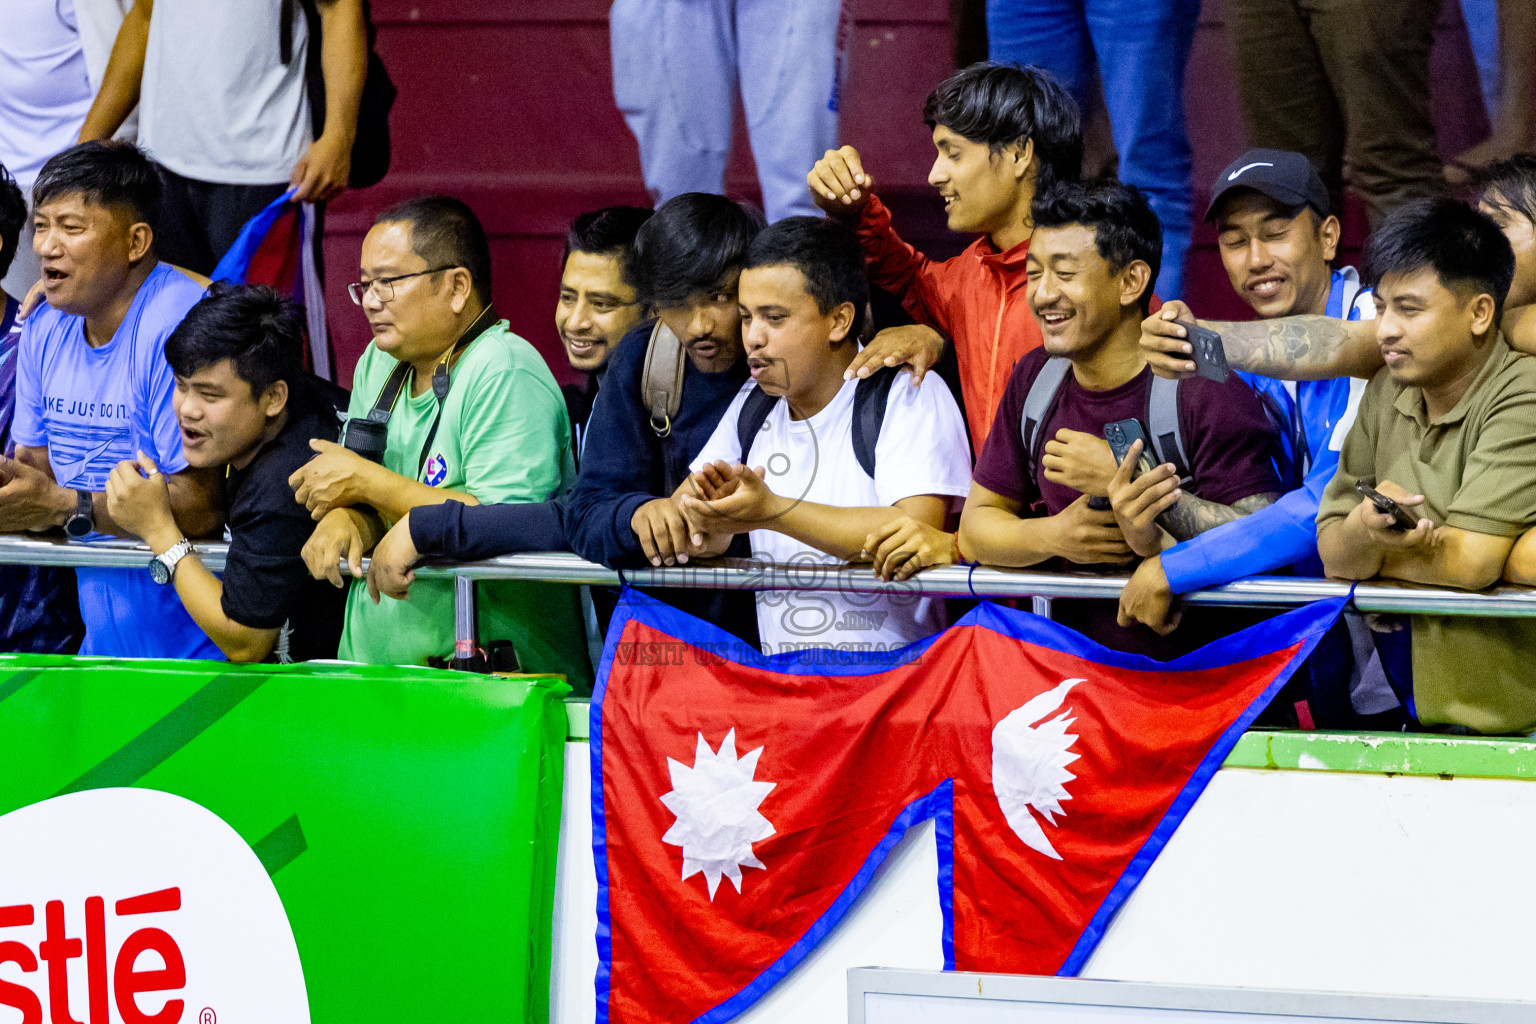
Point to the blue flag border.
(1306, 625)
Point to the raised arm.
(1290, 348)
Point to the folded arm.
(721, 500)
(992, 532)
(1363, 545)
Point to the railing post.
(466, 640)
(1041, 606)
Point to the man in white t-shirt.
(223, 110)
(861, 470)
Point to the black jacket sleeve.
(471, 532)
(621, 465)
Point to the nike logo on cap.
(1245, 167)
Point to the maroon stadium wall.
(509, 105)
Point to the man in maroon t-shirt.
(1092, 261)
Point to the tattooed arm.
(1192, 516)
(1291, 348)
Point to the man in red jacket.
(1002, 134)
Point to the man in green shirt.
(1445, 430)
(473, 415)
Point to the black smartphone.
(1209, 357)
(1121, 435)
(1405, 522)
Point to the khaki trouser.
(1342, 80)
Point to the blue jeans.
(1141, 47)
(1482, 17)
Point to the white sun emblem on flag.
(715, 802)
(1029, 765)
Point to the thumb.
(355, 556)
(317, 445)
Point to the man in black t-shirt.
(244, 403)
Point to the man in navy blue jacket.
(621, 511)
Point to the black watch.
(83, 522)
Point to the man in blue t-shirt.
(93, 388)
(38, 613)
(1277, 240)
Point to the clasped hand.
(724, 499)
(1088, 536)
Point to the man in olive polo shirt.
(1447, 429)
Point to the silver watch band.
(173, 555)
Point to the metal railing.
(734, 574)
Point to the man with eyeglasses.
(447, 404)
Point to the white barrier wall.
(1297, 879)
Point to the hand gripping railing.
(735, 574)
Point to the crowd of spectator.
(738, 400)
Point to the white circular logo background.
(116, 844)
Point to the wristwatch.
(82, 522)
(162, 568)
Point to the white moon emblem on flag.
(1029, 765)
(715, 803)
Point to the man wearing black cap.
(1277, 239)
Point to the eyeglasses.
(384, 287)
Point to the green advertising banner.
(185, 841)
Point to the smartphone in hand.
(1209, 357)
(1405, 521)
(1121, 435)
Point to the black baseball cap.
(1286, 177)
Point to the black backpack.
(870, 396)
(370, 149)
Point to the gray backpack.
(1161, 419)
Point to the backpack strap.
(661, 381)
(870, 397)
(1037, 406)
(754, 413)
(1163, 428)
